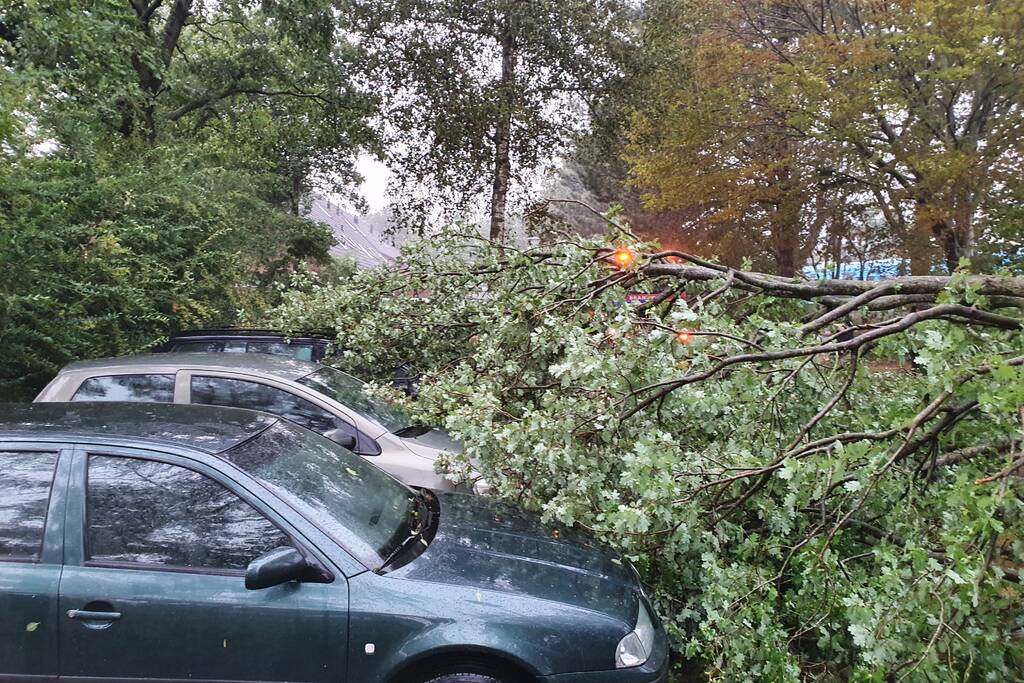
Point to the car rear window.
(210, 347)
(296, 351)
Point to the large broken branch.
(700, 270)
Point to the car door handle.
(86, 615)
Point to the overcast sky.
(375, 182)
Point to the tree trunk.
(785, 259)
(503, 135)
(946, 237)
(917, 241)
(955, 236)
(295, 196)
(150, 82)
(837, 256)
(172, 30)
(962, 229)
(784, 223)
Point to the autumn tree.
(914, 106)
(596, 171)
(478, 94)
(920, 103)
(704, 140)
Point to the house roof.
(355, 238)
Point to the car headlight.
(635, 648)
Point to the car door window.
(158, 515)
(138, 388)
(25, 482)
(221, 391)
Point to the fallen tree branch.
(961, 454)
(847, 307)
(908, 321)
(1013, 468)
(702, 271)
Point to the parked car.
(406, 379)
(317, 397)
(310, 347)
(143, 542)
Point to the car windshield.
(348, 390)
(361, 507)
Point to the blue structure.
(881, 269)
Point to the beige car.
(318, 397)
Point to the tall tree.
(596, 171)
(919, 101)
(704, 141)
(912, 106)
(479, 93)
(151, 157)
(278, 75)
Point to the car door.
(32, 495)
(153, 587)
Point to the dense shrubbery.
(876, 539)
(152, 166)
(104, 255)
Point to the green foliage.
(846, 562)
(154, 159)
(456, 119)
(273, 82)
(106, 255)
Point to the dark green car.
(175, 542)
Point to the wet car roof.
(205, 428)
(282, 367)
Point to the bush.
(106, 254)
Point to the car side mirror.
(341, 437)
(275, 567)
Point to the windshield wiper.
(418, 536)
(412, 431)
(419, 521)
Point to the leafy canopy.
(775, 117)
(473, 90)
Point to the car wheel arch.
(485, 661)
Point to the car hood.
(431, 444)
(483, 543)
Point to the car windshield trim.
(349, 391)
